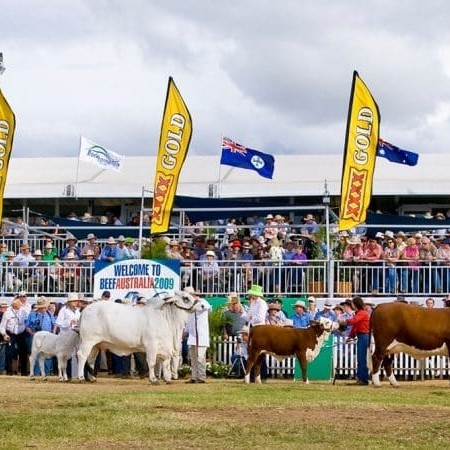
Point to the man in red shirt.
(360, 323)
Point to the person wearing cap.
(326, 312)
(69, 315)
(50, 253)
(272, 314)
(24, 257)
(270, 230)
(210, 272)
(173, 250)
(233, 316)
(360, 323)
(256, 314)
(12, 328)
(71, 247)
(91, 244)
(109, 252)
(40, 320)
(310, 225)
(197, 330)
(301, 317)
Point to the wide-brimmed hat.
(233, 298)
(173, 243)
(129, 240)
(269, 216)
(90, 236)
(328, 304)
(311, 299)
(300, 303)
(121, 238)
(73, 297)
(111, 240)
(42, 302)
(353, 240)
(309, 217)
(273, 306)
(210, 253)
(256, 291)
(389, 234)
(71, 237)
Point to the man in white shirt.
(12, 328)
(197, 328)
(257, 312)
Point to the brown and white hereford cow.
(282, 342)
(399, 327)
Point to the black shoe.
(201, 381)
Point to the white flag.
(100, 156)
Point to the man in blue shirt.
(301, 317)
(326, 312)
(40, 320)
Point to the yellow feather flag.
(176, 132)
(361, 141)
(7, 127)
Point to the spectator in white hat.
(109, 252)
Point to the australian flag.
(236, 155)
(395, 154)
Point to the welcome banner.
(7, 128)
(361, 142)
(176, 132)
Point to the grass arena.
(223, 413)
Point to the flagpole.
(220, 169)
(78, 169)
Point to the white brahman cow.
(123, 329)
(46, 345)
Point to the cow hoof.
(154, 383)
(60, 379)
(32, 377)
(169, 382)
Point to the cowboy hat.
(111, 240)
(73, 297)
(354, 240)
(300, 303)
(42, 302)
(233, 298)
(256, 291)
(210, 253)
(90, 236)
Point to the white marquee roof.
(297, 175)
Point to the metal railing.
(281, 278)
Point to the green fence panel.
(322, 367)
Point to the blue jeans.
(362, 371)
(391, 280)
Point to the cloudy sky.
(273, 75)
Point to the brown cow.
(399, 327)
(282, 342)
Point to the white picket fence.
(344, 362)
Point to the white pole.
(141, 222)
(78, 169)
